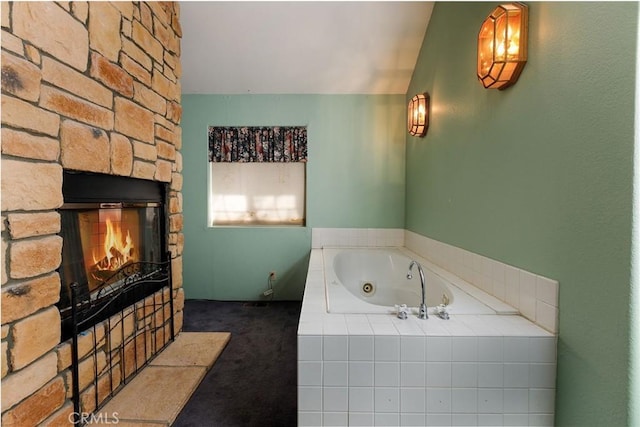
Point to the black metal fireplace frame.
(128, 280)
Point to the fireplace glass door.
(99, 240)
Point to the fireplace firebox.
(110, 225)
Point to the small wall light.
(502, 46)
(418, 115)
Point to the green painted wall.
(355, 178)
(539, 176)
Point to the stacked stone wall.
(87, 86)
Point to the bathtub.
(360, 365)
(374, 280)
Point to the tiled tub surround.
(535, 297)
(375, 369)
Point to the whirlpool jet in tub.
(374, 280)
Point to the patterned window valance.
(258, 144)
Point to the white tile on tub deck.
(384, 329)
(361, 399)
(309, 328)
(361, 347)
(335, 348)
(457, 327)
(335, 399)
(334, 328)
(361, 374)
(523, 327)
(478, 324)
(386, 374)
(309, 347)
(434, 327)
(386, 348)
(359, 328)
(355, 318)
(408, 326)
(386, 319)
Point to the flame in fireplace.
(118, 249)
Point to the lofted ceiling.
(325, 47)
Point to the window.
(257, 175)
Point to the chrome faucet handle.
(441, 311)
(402, 311)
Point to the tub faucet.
(423, 305)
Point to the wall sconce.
(502, 46)
(418, 115)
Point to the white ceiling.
(301, 47)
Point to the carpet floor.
(254, 381)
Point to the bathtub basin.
(374, 280)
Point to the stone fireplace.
(87, 88)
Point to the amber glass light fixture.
(418, 115)
(502, 46)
